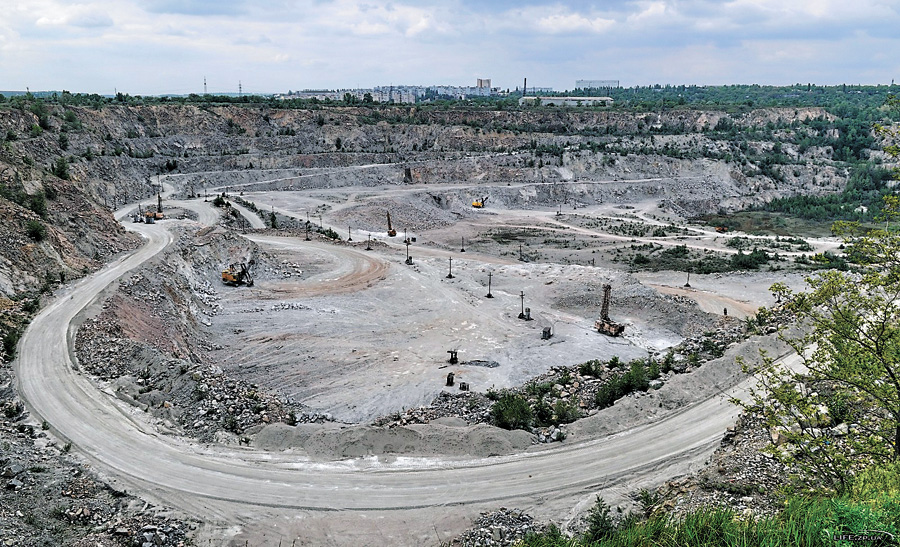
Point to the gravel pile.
(502, 527)
(414, 211)
(573, 389)
(46, 498)
(472, 407)
(739, 475)
(150, 341)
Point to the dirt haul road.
(403, 501)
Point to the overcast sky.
(148, 47)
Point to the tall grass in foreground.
(802, 523)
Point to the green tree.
(600, 524)
(35, 230)
(60, 168)
(851, 368)
(840, 412)
(37, 202)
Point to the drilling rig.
(391, 231)
(605, 325)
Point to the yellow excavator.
(478, 204)
(391, 231)
(237, 274)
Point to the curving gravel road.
(229, 484)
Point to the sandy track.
(253, 219)
(231, 484)
(354, 270)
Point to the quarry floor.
(360, 334)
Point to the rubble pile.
(502, 527)
(572, 390)
(150, 342)
(694, 350)
(739, 475)
(472, 407)
(48, 499)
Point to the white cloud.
(573, 22)
(651, 12)
(73, 15)
(285, 44)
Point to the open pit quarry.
(315, 406)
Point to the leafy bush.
(590, 368)
(10, 341)
(512, 412)
(60, 168)
(668, 362)
(636, 378)
(653, 370)
(543, 414)
(38, 204)
(535, 389)
(608, 393)
(565, 413)
(35, 230)
(31, 305)
(600, 523)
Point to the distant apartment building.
(565, 101)
(399, 94)
(596, 84)
(536, 90)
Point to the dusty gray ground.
(315, 303)
(359, 334)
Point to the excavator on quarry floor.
(479, 203)
(238, 274)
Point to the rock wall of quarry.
(119, 151)
(116, 154)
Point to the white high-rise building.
(596, 84)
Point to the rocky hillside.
(62, 168)
(116, 153)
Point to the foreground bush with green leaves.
(872, 506)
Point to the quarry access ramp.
(232, 484)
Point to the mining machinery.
(479, 203)
(238, 274)
(391, 231)
(605, 325)
(150, 216)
